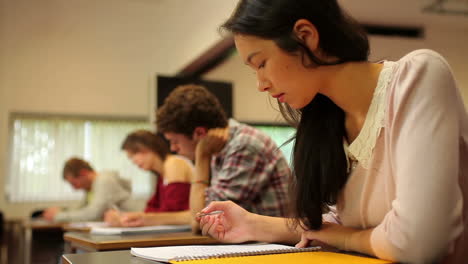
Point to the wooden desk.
(90, 243)
(37, 226)
(74, 228)
(12, 242)
(114, 257)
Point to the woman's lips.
(280, 97)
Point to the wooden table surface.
(42, 224)
(109, 257)
(91, 242)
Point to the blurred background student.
(103, 191)
(170, 201)
(233, 161)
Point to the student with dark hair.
(233, 161)
(386, 142)
(170, 201)
(103, 190)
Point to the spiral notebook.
(184, 253)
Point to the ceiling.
(408, 12)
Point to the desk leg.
(4, 246)
(27, 245)
(65, 260)
(69, 248)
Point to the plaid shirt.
(250, 171)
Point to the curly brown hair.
(74, 165)
(188, 107)
(139, 139)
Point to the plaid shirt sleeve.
(252, 179)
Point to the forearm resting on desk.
(273, 230)
(167, 218)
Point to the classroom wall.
(92, 57)
(449, 41)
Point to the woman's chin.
(295, 106)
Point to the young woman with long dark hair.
(385, 142)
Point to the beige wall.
(249, 104)
(94, 57)
(449, 41)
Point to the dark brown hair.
(319, 161)
(74, 165)
(137, 140)
(188, 107)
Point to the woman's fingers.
(133, 223)
(212, 230)
(304, 241)
(207, 223)
(211, 225)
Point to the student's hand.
(112, 217)
(231, 226)
(49, 213)
(213, 142)
(331, 234)
(133, 219)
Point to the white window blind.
(41, 145)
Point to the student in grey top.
(103, 190)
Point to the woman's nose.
(262, 85)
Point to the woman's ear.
(306, 32)
(199, 133)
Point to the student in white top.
(387, 143)
(103, 189)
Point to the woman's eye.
(261, 65)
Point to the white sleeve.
(107, 191)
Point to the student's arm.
(199, 184)
(236, 225)
(211, 144)
(174, 203)
(134, 219)
(426, 216)
(106, 191)
(341, 237)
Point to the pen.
(113, 206)
(210, 213)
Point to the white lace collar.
(361, 148)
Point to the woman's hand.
(213, 142)
(49, 213)
(331, 234)
(233, 225)
(112, 217)
(133, 219)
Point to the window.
(280, 134)
(41, 145)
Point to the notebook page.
(90, 224)
(180, 252)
